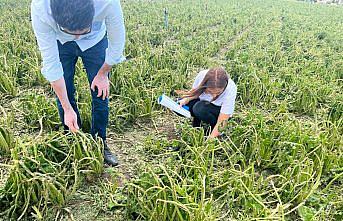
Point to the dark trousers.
(92, 59)
(204, 111)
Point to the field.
(281, 158)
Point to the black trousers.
(204, 111)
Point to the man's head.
(73, 16)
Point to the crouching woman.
(211, 99)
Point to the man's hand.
(102, 82)
(70, 119)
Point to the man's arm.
(70, 117)
(114, 53)
(114, 21)
(52, 67)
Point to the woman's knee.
(200, 109)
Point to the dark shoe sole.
(111, 164)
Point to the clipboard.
(172, 105)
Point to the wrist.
(102, 73)
(215, 133)
(67, 108)
(106, 68)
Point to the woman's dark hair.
(74, 15)
(215, 78)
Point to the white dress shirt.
(226, 100)
(108, 18)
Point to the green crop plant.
(163, 195)
(39, 110)
(336, 109)
(257, 88)
(85, 110)
(45, 172)
(306, 97)
(8, 84)
(175, 191)
(6, 141)
(83, 98)
(244, 171)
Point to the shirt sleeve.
(46, 38)
(228, 105)
(116, 33)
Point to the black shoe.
(110, 158)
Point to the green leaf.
(306, 213)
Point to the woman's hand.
(215, 133)
(222, 120)
(183, 101)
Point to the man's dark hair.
(74, 15)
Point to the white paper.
(172, 105)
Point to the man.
(92, 30)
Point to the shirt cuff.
(112, 61)
(54, 75)
(226, 111)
